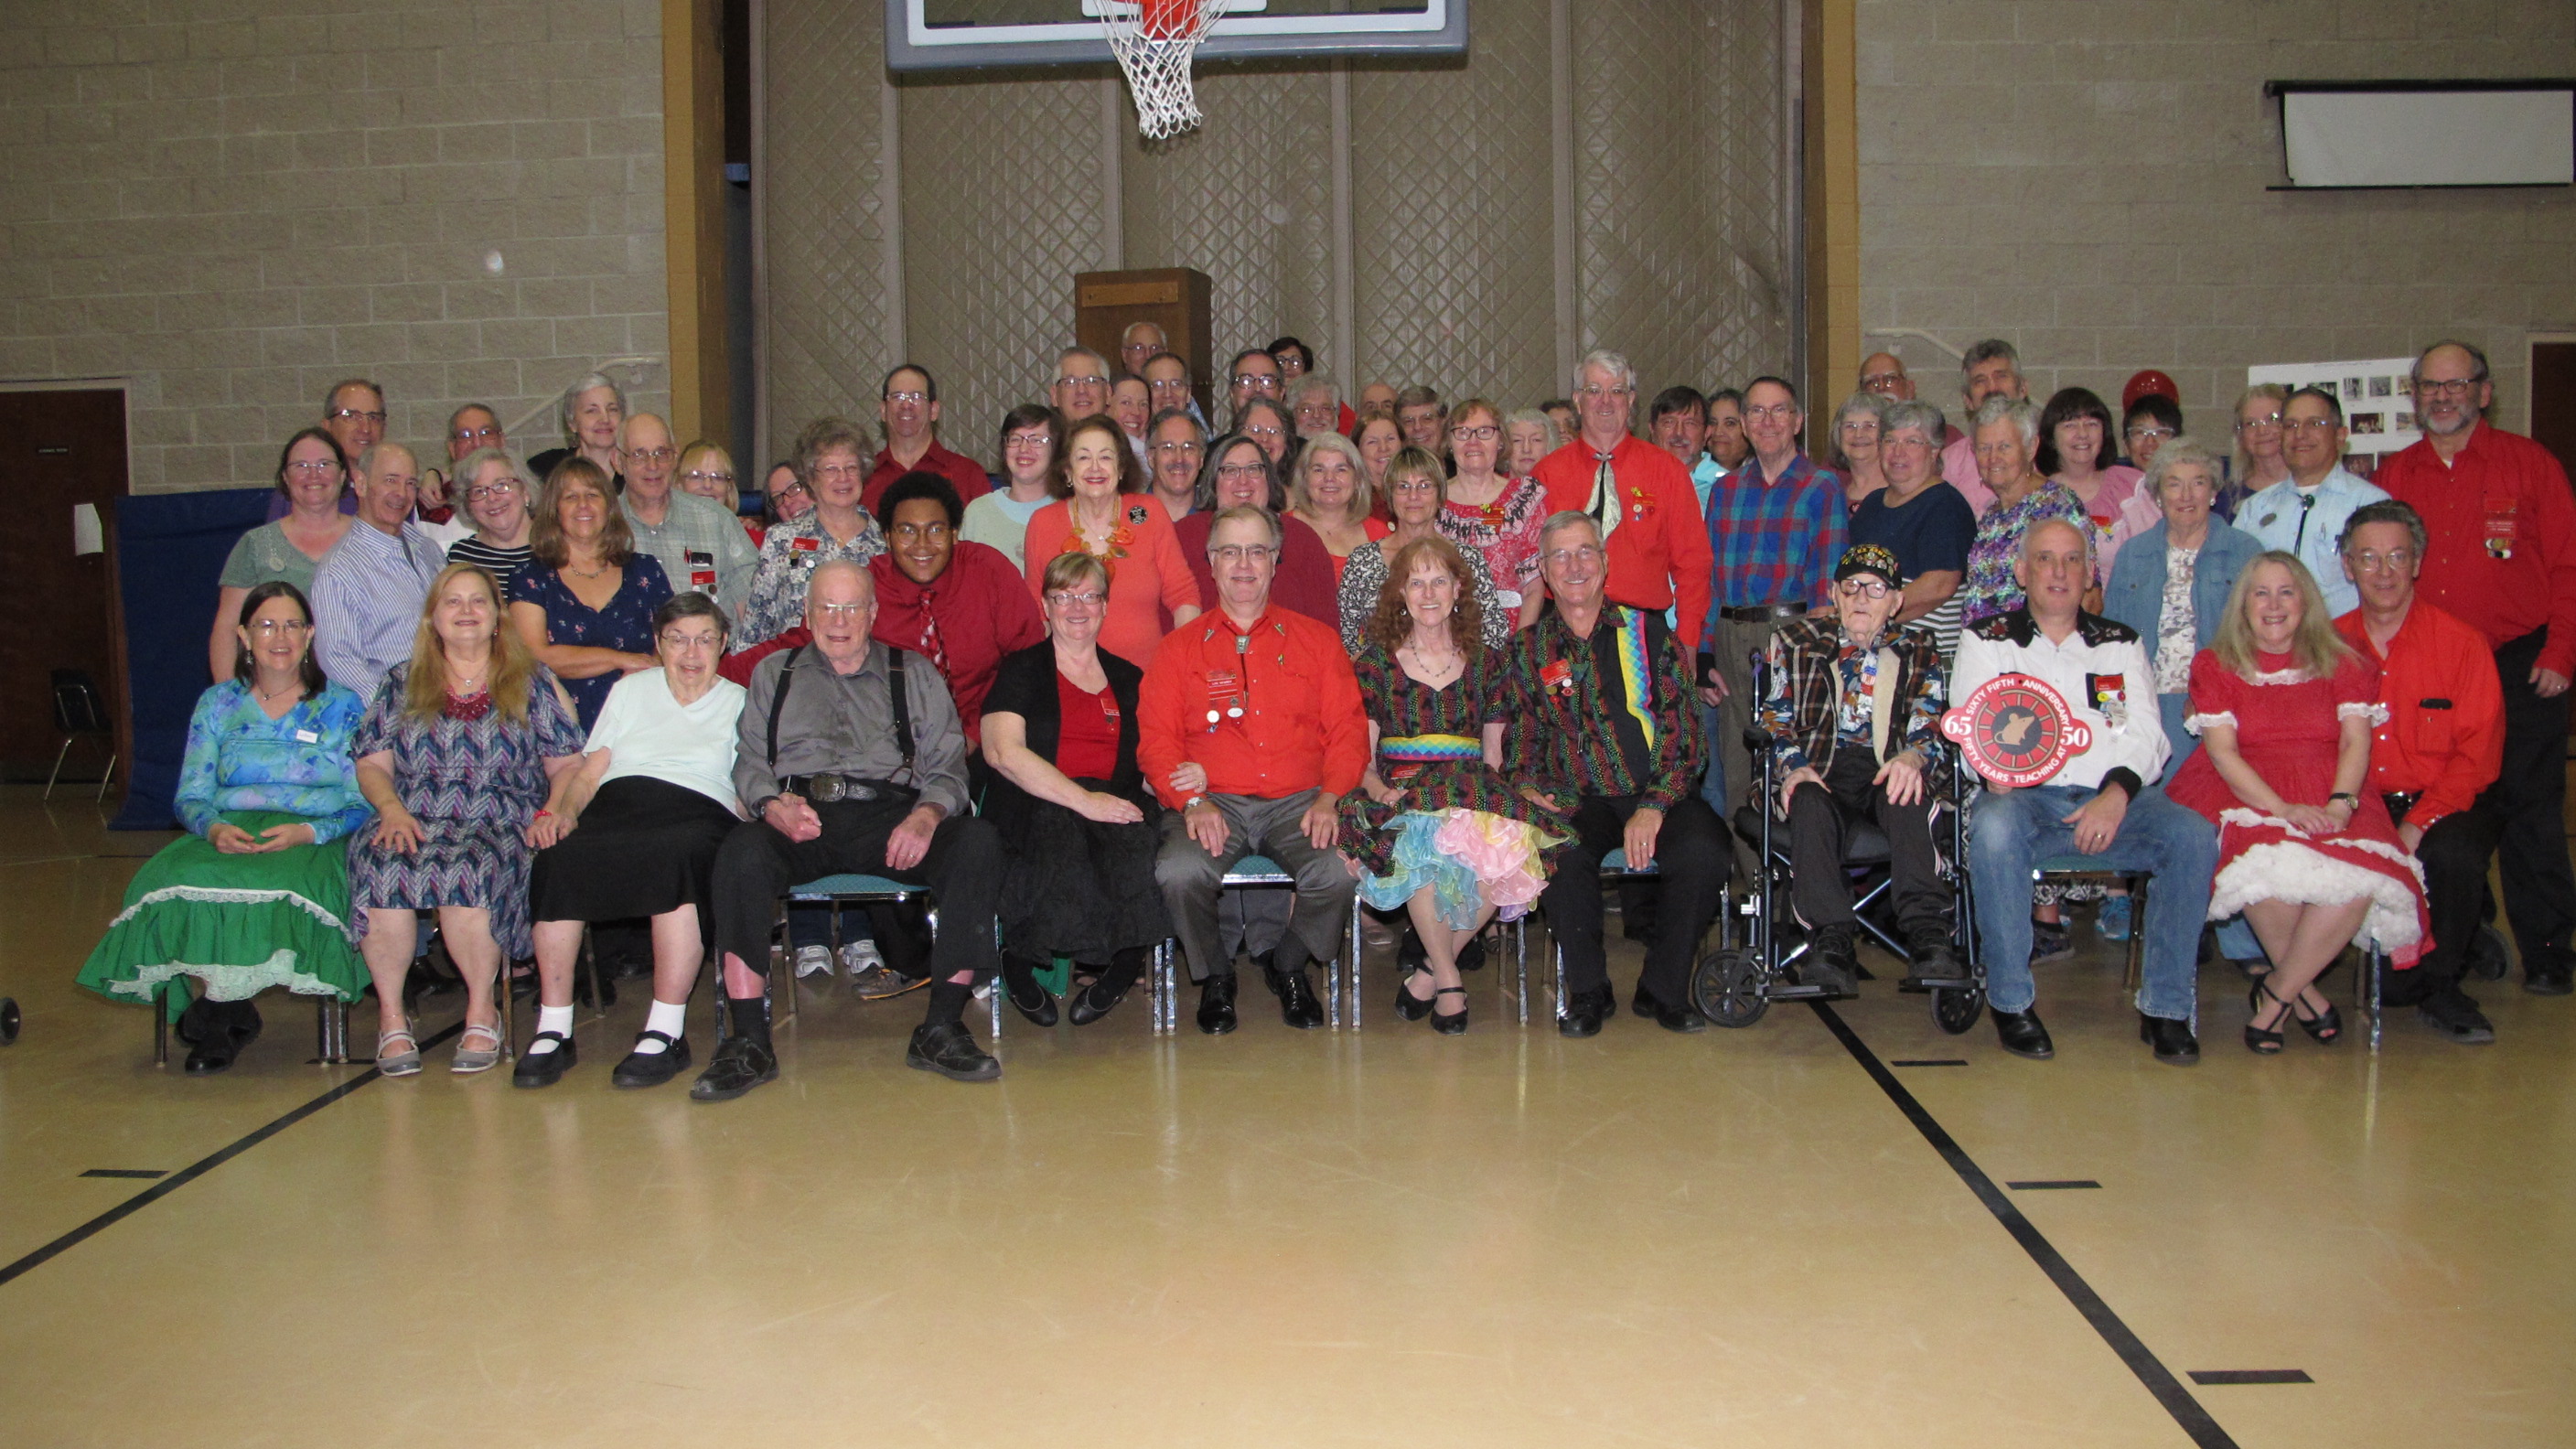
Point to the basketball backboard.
(926, 35)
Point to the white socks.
(554, 1019)
(667, 1017)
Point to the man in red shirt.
(908, 404)
(2440, 745)
(1250, 729)
(1643, 500)
(2502, 559)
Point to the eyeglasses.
(792, 490)
(1858, 426)
(1241, 470)
(481, 491)
(313, 467)
(1231, 553)
(469, 435)
(353, 415)
(1175, 447)
(836, 470)
(1027, 440)
(2318, 426)
(2371, 561)
(1881, 381)
(1782, 411)
(1595, 392)
(651, 455)
(1082, 380)
(1413, 485)
(2249, 425)
(1068, 599)
(1480, 433)
(1256, 379)
(1261, 431)
(701, 475)
(907, 397)
(674, 639)
(1560, 557)
(2144, 435)
(842, 611)
(272, 628)
(2424, 387)
(1862, 588)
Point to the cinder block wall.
(2086, 178)
(232, 203)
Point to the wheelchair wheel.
(1727, 988)
(1955, 1009)
(8, 1020)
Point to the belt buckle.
(827, 789)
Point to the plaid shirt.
(1803, 696)
(1774, 542)
(1564, 737)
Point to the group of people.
(1447, 658)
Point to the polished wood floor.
(1282, 1238)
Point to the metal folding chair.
(1254, 872)
(853, 888)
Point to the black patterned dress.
(1460, 827)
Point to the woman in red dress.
(2284, 712)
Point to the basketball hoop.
(1154, 41)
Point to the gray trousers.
(1734, 645)
(1190, 878)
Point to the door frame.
(116, 654)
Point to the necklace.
(585, 573)
(267, 698)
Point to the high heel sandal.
(2325, 1028)
(1452, 1023)
(2257, 1040)
(1408, 1005)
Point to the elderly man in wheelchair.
(1852, 707)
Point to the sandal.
(470, 1060)
(1407, 1005)
(404, 1063)
(2325, 1028)
(1451, 1023)
(2257, 1040)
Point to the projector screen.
(2481, 137)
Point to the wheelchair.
(1735, 984)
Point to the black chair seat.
(1863, 843)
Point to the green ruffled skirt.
(231, 926)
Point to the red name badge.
(806, 545)
(1558, 675)
(2500, 529)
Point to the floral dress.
(1990, 588)
(474, 780)
(231, 926)
(625, 623)
(1505, 532)
(789, 554)
(1460, 827)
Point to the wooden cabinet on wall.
(1106, 304)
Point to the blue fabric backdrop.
(170, 547)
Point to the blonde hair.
(2280, 398)
(512, 668)
(1363, 497)
(732, 490)
(2315, 647)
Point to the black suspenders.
(898, 699)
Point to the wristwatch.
(1193, 800)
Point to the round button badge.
(2016, 730)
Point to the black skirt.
(1078, 888)
(643, 847)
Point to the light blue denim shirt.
(2275, 518)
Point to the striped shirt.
(502, 563)
(1608, 715)
(1773, 542)
(367, 597)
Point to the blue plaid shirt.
(1774, 543)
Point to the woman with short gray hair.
(1851, 448)
(2005, 435)
(591, 411)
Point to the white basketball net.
(1154, 41)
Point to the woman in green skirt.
(257, 894)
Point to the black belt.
(828, 789)
(1762, 613)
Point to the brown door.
(59, 450)
(2553, 400)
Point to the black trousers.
(2454, 853)
(2528, 806)
(1819, 819)
(963, 870)
(1691, 855)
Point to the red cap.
(2149, 381)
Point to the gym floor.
(1837, 1227)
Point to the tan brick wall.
(2086, 178)
(232, 203)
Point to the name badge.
(2501, 526)
(307, 737)
(1558, 675)
(2109, 695)
(805, 545)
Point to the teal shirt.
(300, 764)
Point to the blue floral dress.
(231, 926)
(474, 784)
(625, 624)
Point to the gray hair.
(476, 461)
(2386, 510)
(1616, 364)
(1070, 353)
(587, 382)
(855, 569)
(365, 466)
(1518, 416)
(1567, 518)
(346, 383)
(1859, 402)
(1988, 351)
(472, 407)
(1363, 497)
(2180, 451)
(631, 419)
(2414, 374)
(1311, 384)
(1922, 417)
(2020, 411)
(2030, 533)
(1246, 513)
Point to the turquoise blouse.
(301, 764)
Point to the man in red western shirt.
(2438, 748)
(1251, 729)
(2501, 558)
(1643, 500)
(908, 404)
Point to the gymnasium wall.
(1610, 173)
(2086, 178)
(232, 203)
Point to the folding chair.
(859, 889)
(1253, 872)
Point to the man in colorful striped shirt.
(1606, 726)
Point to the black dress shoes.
(1216, 1004)
(1585, 1011)
(1297, 1004)
(544, 1069)
(740, 1064)
(652, 1069)
(2023, 1036)
(2175, 1045)
(1682, 1019)
(947, 1048)
(222, 1029)
(1092, 1003)
(2547, 978)
(1028, 998)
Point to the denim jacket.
(2136, 594)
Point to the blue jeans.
(2010, 831)
(2236, 939)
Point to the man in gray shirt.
(839, 775)
(698, 544)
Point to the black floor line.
(197, 1169)
(2212, 1377)
(2141, 1360)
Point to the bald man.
(368, 589)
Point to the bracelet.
(541, 814)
